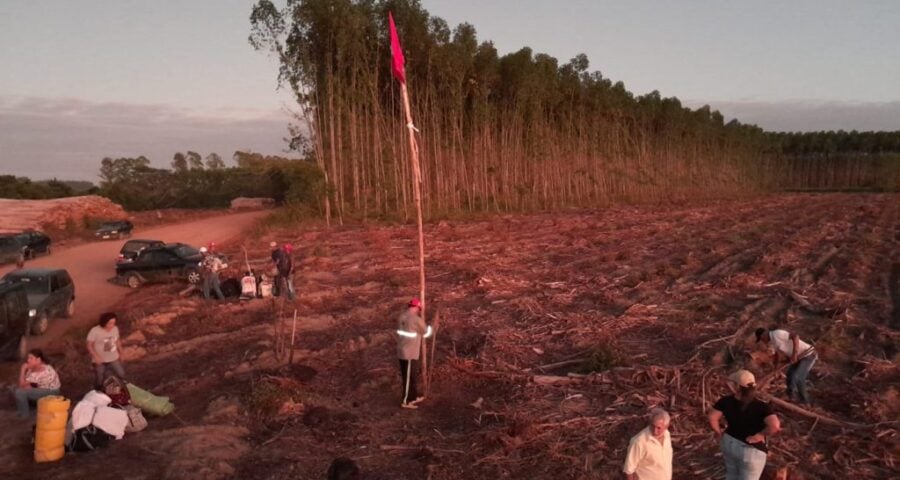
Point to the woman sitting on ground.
(37, 379)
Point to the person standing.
(104, 345)
(411, 329)
(277, 255)
(37, 379)
(20, 258)
(801, 355)
(649, 454)
(286, 270)
(211, 266)
(750, 423)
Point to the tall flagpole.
(399, 71)
(417, 190)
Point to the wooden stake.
(293, 331)
(435, 325)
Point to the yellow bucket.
(50, 431)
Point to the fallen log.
(810, 414)
(551, 366)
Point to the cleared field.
(558, 332)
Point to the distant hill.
(24, 188)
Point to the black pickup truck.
(14, 321)
(50, 292)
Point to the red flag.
(398, 62)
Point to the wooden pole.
(293, 331)
(435, 325)
(417, 193)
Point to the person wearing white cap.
(749, 424)
(650, 451)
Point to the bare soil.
(631, 307)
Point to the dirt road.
(92, 264)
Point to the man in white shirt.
(650, 451)
(801, 355)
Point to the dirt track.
(92, 264)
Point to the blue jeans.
(742, 462)
(101, 370)
(211, 281)
(24, 395)
(285, 285)
(796, 377)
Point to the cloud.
(66, 138)
(809, 115)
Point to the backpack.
(88, 438)
(115, 388)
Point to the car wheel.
(22, 351)
(40, 325)
(133, 280)
(70, 309)
(193, 277)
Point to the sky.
(89, 79)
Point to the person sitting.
(37, 379)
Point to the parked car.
(172, 261)
(34, 242)
(14, 321)
(132, 248)
(117, 229)
(10, 247)
(50, 292)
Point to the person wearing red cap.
(284, 264)
(411, 329)
(749, 424)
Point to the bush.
(602, 358)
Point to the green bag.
(150, 403)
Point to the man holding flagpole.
(411, 329)
(398, 70)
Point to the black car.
(10, 248)
(14, 321)
(117, 229)
(50, 293)
(132, 248)
(34, 242)
(173, 261)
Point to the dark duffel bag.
(89, 438)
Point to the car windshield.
(109, 225)
(38, 285)
(8, 241)
(134, 246)
(185, 251)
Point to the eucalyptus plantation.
(516, 132)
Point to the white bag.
(248, 287)
(111, 420)
(265, 289)
(83, 414)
